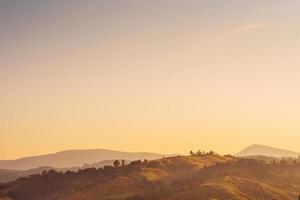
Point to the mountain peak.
(263, 150)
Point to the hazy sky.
(160, 76)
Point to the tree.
(116, 163)
(192, 153)
(123, 162)
(199, 153)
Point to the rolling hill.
(261, 150)
(73, 158)
(206, 176)
(7, 175)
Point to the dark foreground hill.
(71, 158)
(208, 176)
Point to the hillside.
(71, 158)
(261, 150)
(208, 176)
(7, 175)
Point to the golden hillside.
(208, 176)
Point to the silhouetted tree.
(123, 162)
(198, 153)
(153, 164)
(135, 162)
(192, 153)
(116, 163)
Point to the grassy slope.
(189, 178)
(168, 169)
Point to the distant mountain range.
(262, 150)
(74, 158)
(81, 159)
(77, 158)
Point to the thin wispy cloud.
(249, 27)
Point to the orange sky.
(158, 76)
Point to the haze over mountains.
(74, 158)
(7, 175)
(77, 158)
(198, 176)
(262, 150)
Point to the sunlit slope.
(208, 176)
(234, 188)
(244, 179)
(148, 179)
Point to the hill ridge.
(264, 150)
(72, 158)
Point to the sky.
(158, 76)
